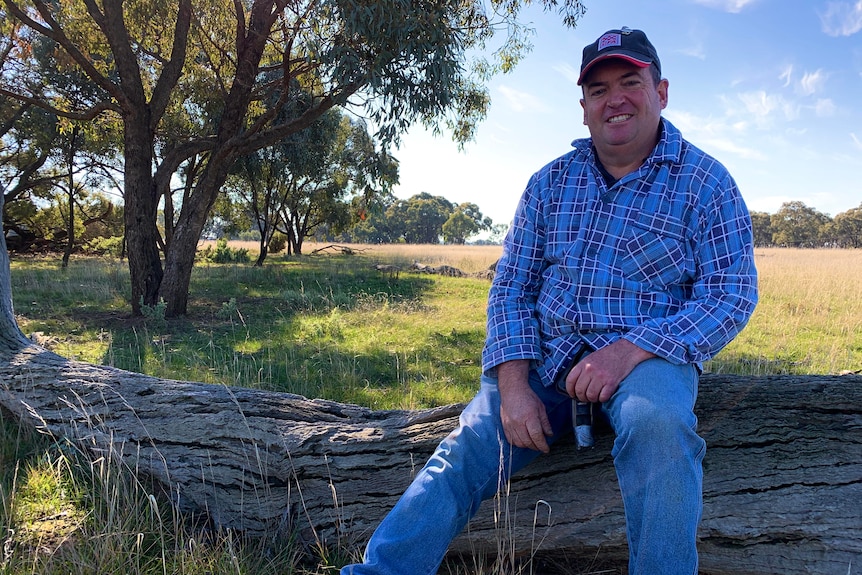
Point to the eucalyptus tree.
(798, 225)
(327, 174)
(465, 220)
(401, 62)
(848, 228)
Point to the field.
(326, 325)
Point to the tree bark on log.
(783, 470)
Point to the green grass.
(318, 326)
(328, 326)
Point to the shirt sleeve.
(724, 292)
(513, 328)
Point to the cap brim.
(640, 63)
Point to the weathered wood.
(783, 487)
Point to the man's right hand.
(525, 420)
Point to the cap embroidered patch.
(608, 40)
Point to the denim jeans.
(657, 454)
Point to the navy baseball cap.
(630, 45)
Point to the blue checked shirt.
(662, 258)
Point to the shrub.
(103, 246)
(224, 254)
(277, 243)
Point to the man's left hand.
(597, 376)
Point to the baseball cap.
(630, 45)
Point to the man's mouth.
(619, 118)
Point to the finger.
(537, 439)
(547, 429)
(572, 381)
(580, 387)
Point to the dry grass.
(809, 319)
(468, 259)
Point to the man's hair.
(655, 73)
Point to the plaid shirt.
(662, 258)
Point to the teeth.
(621, 118)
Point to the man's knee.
(656, 401)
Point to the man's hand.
(525, 421)
(597, 376)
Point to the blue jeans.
(657, 454)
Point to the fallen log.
(783, 473)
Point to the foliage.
(308, 180)
(102, 246)
(846, 229)
(224, 254)
(797, 225)
(420, 219)
(211, 86)
(761, 223)
(466, 220)
(277, 243)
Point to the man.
(633, 252)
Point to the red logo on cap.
(610, 39)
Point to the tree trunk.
(141, 210)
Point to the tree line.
(800, 226)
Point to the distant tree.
(847, 228)
(419, 219)
(345, 167)
(369, 222)
(465, 221)
(797, 225)
(762, 224)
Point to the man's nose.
(615, 97)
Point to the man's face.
(622, 108)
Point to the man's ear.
(662, 92)
(584, 106)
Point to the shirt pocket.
(656, 253)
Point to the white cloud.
(824, 108)
(842, 18)
(787, 75)
(715, 134)
(812, 82)
(732, 6)
(521, 101)
(763, 107)
(856, 141)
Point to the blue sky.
(771, 88)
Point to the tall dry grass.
(809, 318)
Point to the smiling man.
(628, 264)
